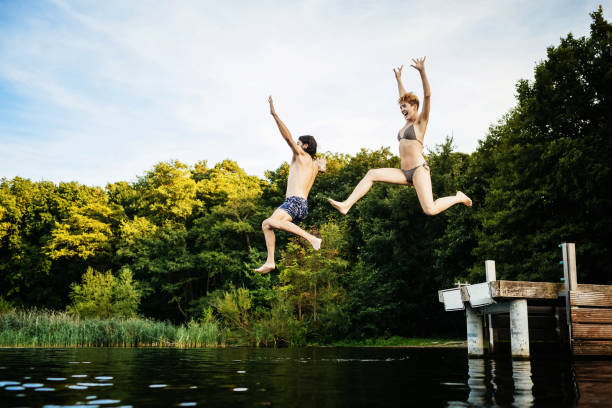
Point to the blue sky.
(98, 92)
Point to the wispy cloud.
(100, 91)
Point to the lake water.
(295, 377)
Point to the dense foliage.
(191, 236)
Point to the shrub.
(103, 295)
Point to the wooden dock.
(576, 317)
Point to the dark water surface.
(296, 377)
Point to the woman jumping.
(414, 169)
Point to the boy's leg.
(285, 224)
(280, 219)
(266, 227)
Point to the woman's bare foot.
(316, 243)
(338, 206)
(265, 268)
(464, 199)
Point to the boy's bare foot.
(265, 268)
(464, 199)
(338, 206)
(316, 243)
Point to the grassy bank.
(36, 328)
(43, 328)
(397, 341)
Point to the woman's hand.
(272, 111)
(419, 64)
(398, 72)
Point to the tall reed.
(44, 328)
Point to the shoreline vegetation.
(58, 329)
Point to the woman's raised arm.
(398, 77)
(419, 65)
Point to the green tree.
(31, 211)
(86, 233)
(312, 282)
(548, 165)
(103, 295)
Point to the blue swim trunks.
(296, 207)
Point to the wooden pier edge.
(585, 328)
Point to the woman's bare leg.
(422, 184)
(388, 175)
(280, 219)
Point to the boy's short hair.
(311, 149)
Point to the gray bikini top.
(409, 134)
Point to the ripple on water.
(103, 378)
(77, 387)
(79, 375)
(187, 404)
(103, 402)
(14, 388)
(240, 389)
(5, 383)
(95, 384)
(89, 397)
(32, 385)
(158, 385)
(44, 389)
(56, 378)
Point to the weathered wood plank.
(592, 347)
(586, 287)
(592, 331)
(503, 289)
(591, 315)
(533, 290)
(600, 299)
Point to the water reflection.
(477, 382)
(594, 383)
(498, 383)
(523, 384)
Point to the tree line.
(188, 237)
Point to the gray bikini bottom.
(410, 173)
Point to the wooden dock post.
(519, 329)
(490, 273)
(570, 278)
(475, 336)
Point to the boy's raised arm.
(284, 131)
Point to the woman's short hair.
(311, 149)
(409, 98)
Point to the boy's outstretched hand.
(272, 111)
